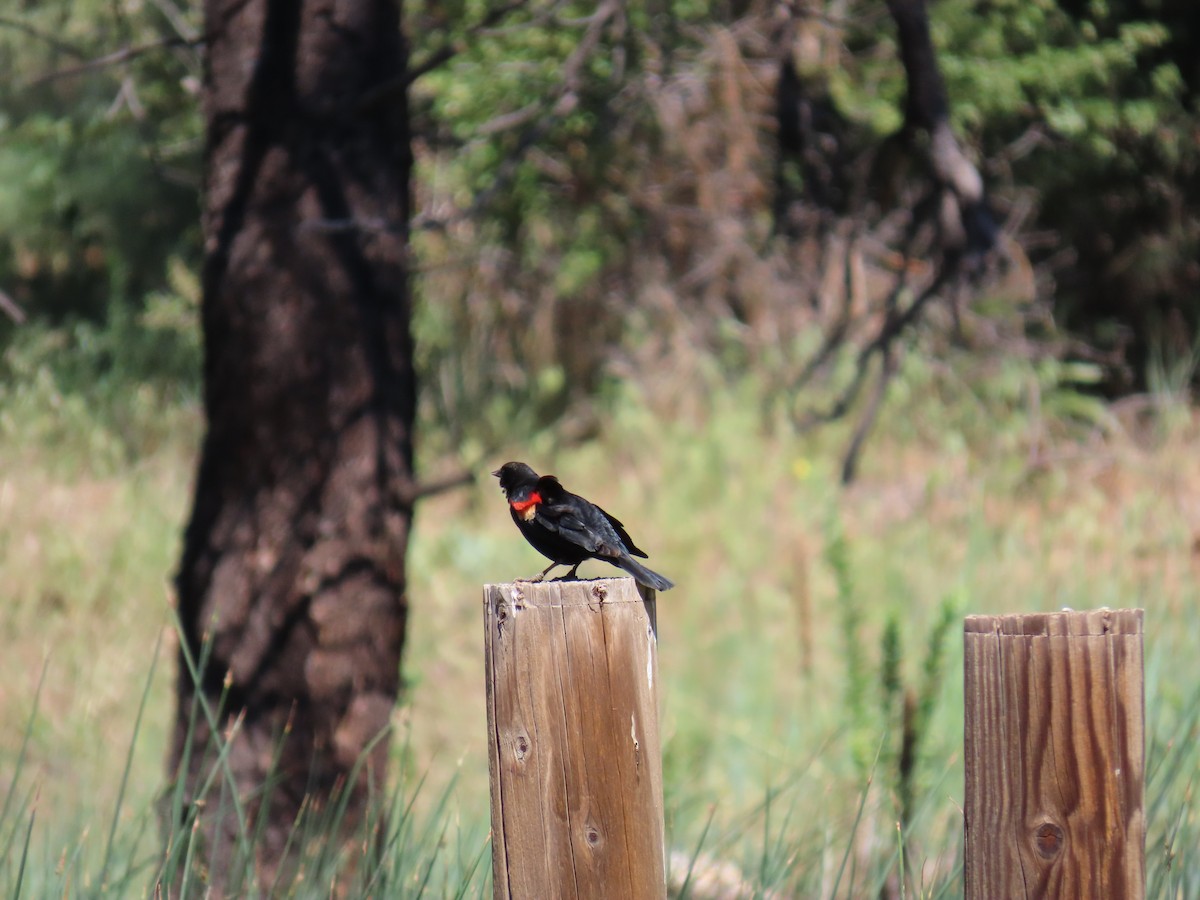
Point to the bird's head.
(515, 475)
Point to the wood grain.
(1054, 756)
(571, 670)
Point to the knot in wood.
(521, 746)
(600, 592)
(592, 835)
(1048, 838)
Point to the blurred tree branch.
(954, 203)
(11, 308)
(37, 33)
(393, 88)
(116, 57)
(535, 119)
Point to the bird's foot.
(572, 575)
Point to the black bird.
(568, 529)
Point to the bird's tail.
(643, 575)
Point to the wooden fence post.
(576, 763)
(1054, 756)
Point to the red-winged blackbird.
(568, 529)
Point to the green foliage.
(592, 179)
(524, 85)
(99, 164)
(532, 131)
(111, 391)
(1095, 93)
(578, 209)
(863, 731)
(894, 732)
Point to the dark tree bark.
(967, 224)
(811, 139)
(293, 561)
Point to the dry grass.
(739, 514)
(84, 562)
(740, 518)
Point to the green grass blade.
(177, 794)
(696, 851)
(137, 724)
(469, 875)
(862, 805)
(222, 762)
(20, 763)
(186, 878)
(25, 853)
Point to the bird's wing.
(589, 528)
(563, 520)
(622, 534)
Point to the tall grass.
(398, 852)
(811, 640)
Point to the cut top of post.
(597, 592)
(1097, 622)
(541, 594)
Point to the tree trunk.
(292, 576)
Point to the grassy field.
(801, 605)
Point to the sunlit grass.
(966, 497)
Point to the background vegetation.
(603, 291)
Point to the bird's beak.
(497, 473)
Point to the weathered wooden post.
(1054, 756)
(576, 763)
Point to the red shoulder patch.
(522, 505)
